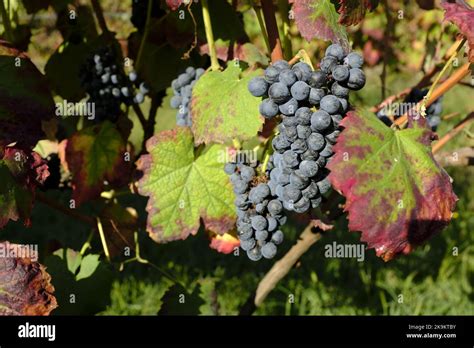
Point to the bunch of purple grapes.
(433, 112)
(311, 105)
(259, 213)
(103, 78)
(182, 90)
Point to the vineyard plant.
(225, 157)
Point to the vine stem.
(209, 35)
(100, 16)
(263, 30)
(145, 36)
(268, 8)
(103, 239)
(438, 92)
(464, 157)
(283, 7)
(281, 268)
(423, 82)
(453, 132)
(446, 66)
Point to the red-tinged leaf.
(184, 188)
(25, 286)
(353, 11)
(94, 155)
(25, 99)
(319, 19)
(463, 17)
(225, 243)
(396, 193)
(174, 4)
(20, 174)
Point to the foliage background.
(432, 279)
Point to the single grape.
(315, 96)
(229, 168)
(281, 65)
(269, 250)
(328, 63)
(330, 104)
(254, 254)
(356, 79)
(340, 73)
(268, 108)
(271, 74)
(288, 77)
(320, 120)
(300, 90)
(354, 60)
(317, 79)
(309, 168)
(279, 93)
(277, 237)
(258, 87)
(339, 91)
(316, 141)
(303, 71)
(303, 116)
(289, 108)
(336, 51)
(259, 222)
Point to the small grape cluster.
(259, 213)
(107, 85)
(311, 105)
(433, 112)
(182, 90)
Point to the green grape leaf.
(353, 11)
(222, 108)
(25, 99)
(184, 187)
(25, 286)
(319, 19)
(396, 193)
(93, 155)
(20, 173)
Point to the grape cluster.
(182, 90)
(311, 105)
(259, 212)
(107, 85)
(433, 112)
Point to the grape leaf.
(353, 11)
(246, 52)
(222, 108)
(20, 173)
(25, 99)
(25, 286)
(183, 187)
(319, 19)
(93, 155)
(463, 17)
(396, 193)
(66, 61)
